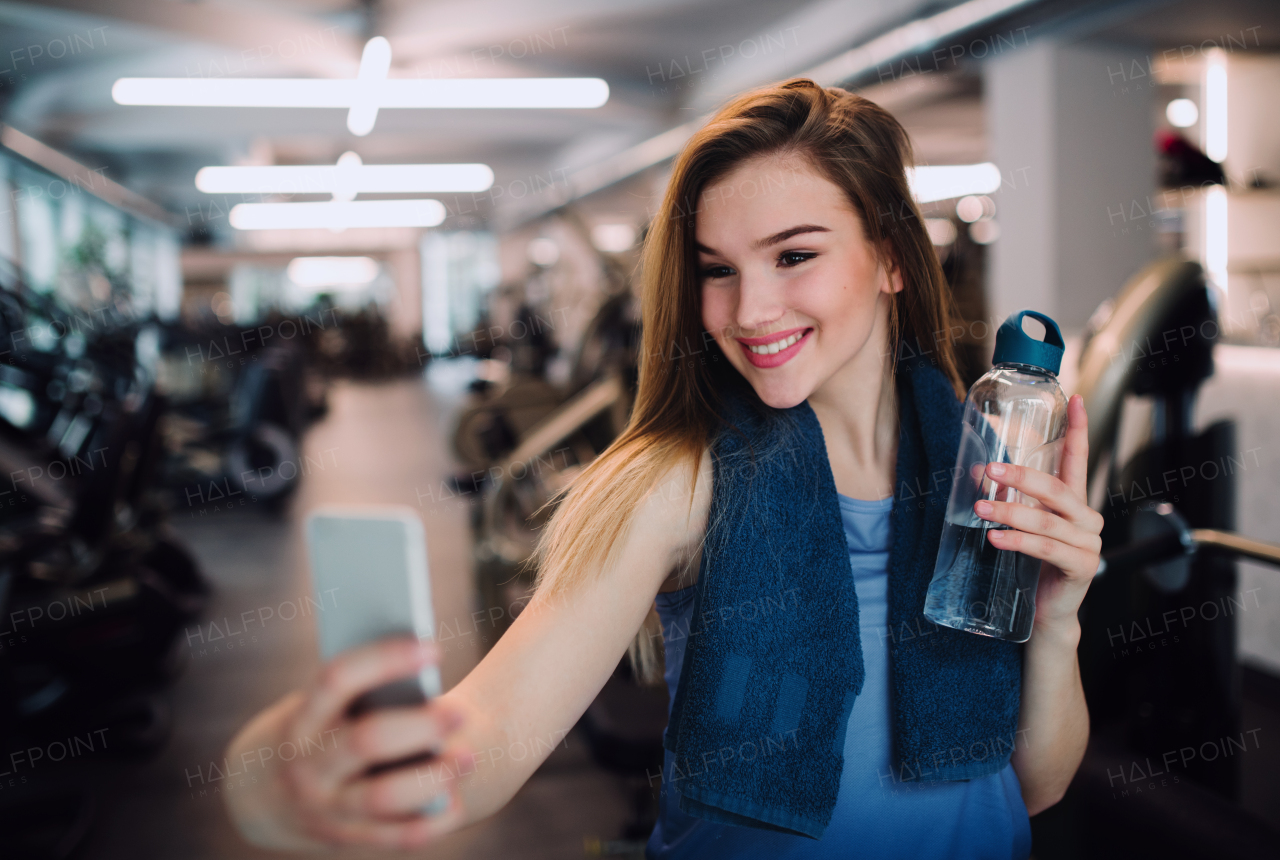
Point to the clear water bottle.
(1016, 413)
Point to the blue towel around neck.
(774, 657)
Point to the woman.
(788, 265)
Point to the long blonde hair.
(852, 142)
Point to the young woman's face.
(791, 288)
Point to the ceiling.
(661, 58)
(647, 51)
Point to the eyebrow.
(781, 236)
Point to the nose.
(761, 302)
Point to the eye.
(717, 272)
(788, 259)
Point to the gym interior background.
(220, 315)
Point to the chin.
(779, 394)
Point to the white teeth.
(777, 345)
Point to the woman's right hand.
(349, 782)
(490, 732)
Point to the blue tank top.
(876, 815)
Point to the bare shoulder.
(680, 499)
(680, 505)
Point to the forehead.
(767, 194)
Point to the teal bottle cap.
(1015, 346)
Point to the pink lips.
(778, 358)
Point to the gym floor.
(379, 443)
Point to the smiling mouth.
(775, 349)
(776, 346)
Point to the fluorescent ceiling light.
(375, 62)
(930, 183)
(1215, 105)
(975, 208)
(337, 215)
(941, 231)
(543, 251)
(347, 177)
(366, 94)
(329, 271)
(1216, 234)
(395, 93)
(984, 232)
(613, 238)
(1182, 113)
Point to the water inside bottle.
(976, 586)
(982, 589)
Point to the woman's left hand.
(1064, 533)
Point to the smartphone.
(369, 576)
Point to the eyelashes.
(803, 255)
(786, 260)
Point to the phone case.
(369, 577)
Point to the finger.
(393, 735)
(1037, 521)
(1074, 470)
(355, 672)
(407, 790)
(1049, 491)
(410, 832)
(1076, 563)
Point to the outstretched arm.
(487, 735)
(1053, 724)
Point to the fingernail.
(984, 508)
(996, 469)
(436, 805)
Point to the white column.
(405, 312)
(437, 330)
(1070, 126)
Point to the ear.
(892, 281)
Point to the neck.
(858, 411)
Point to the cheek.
(835, 303)
(717, 308)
